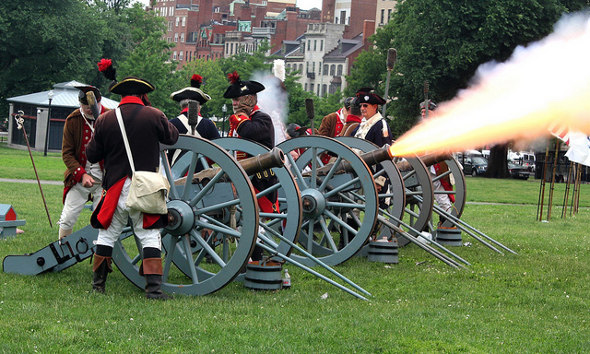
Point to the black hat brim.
(86, 88)
(370, 98)
(132, 86)
(190, 93)
(243, 88)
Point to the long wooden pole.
(550, 201)
(20, 124)
(570, 174)
(542, 186)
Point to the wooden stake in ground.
(570, 173)
(550, 201)
(542, 186)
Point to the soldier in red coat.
(147, 128)
(249, 122)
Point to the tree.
(444, 42)
(38, 48)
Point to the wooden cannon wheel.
(193, 207)
(337, 204)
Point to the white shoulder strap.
(125, 141)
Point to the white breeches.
(147, 237)
(74, 203)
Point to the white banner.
(579, 148)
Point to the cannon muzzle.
(428, 160)
(259, 163)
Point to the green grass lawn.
(536, 301)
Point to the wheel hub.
(181, 217)
(313, 202)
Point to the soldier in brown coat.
(82, 179)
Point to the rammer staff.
(19, 122)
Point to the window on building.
(301, 68)
(321, 45)
(388, 14)
(181, 55)
(332, 69)
(324, 86)
(170, 26)
(175, 37)
(305, 87)
(339, 70)
(382, 16)
(177, 21)
(320, 68)
(174, 55)
(310, 87)
(336, 20)
(315, 45)
(342, 17)
(326, 69)
(313, 67)
(171, 10)
(183, 21)
(308, 45)
(318, 93)
(164, 11)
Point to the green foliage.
(149, 60)
(297, 96)
(43, 43)
(444, 42)
(214, 84)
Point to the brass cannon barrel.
(259, 163)
(251, 165)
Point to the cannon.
(224, 202)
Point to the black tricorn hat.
(130, 85)
(367, 95)
(240, 88)
(84, 89)
(294, 130)
(193, 92)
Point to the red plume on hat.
(105, 66)
(196, 81)
(233, 77)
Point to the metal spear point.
(19, 123)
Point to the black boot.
(153, 287)
(151, 268)
(101, 268)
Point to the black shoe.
(153, 288)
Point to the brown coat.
(328, 125)
(75, 133)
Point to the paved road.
(14, 180)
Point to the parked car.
(518, 171)
(475, 165)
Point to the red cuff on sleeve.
(78, 173)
